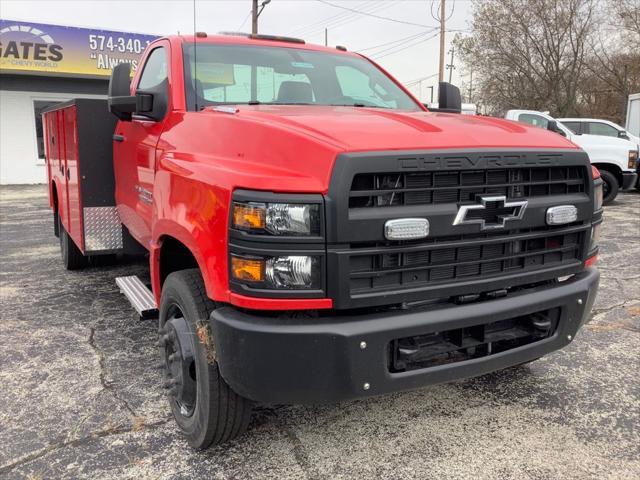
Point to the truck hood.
(363, 129)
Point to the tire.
(610, 187)
(56, 224)
(205, 408)
(72, 257)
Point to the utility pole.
(450, 66)
(255, 14)
(326, 37)
(442, 20)
(254, 17)
(470, 85)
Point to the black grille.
(460, 344)
(426, 188)
(446, 259)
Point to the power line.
(416, 35)
(346, 18)
(373, 15)
(377, 57)
(337, 18)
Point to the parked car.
(615, 157)
(595, 126)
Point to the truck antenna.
(195, 58)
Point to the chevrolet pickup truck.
(314, 233)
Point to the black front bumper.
(628, 180)
(314, 360)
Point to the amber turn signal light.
(247, 269)
(247, 216)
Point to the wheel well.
(174, 256)
(611, 168)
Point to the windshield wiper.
(357, 105)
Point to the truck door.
(134, 153)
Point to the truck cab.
(614, 155)
(315, 234)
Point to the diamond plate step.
(139, 296)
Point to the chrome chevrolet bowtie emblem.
(490, 212)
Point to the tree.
(528, 53)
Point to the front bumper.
(314, 360)
(629, 180)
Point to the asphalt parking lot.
(80, 396)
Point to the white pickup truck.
(615, 157)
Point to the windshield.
(236, 74)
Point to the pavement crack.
(300, 454)
(78, 442)
(106, 385)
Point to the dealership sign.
(27, 47)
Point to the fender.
(194, 213)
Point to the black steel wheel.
(609, 187)
(203, 405)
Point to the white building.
(41, 65)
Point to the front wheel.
(609, 187)
(203, 405)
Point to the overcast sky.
(407, 45)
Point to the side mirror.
(552, 126)
(623, 134)
(449, 99)
(152, 101)
(121, 103)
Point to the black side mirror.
(623, 134)
(449, 99)
(552, 126)
(121, 103)
(152, 102)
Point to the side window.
(597, 128)
(532, 119)
(573, 126)
(155, 69)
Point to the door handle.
(118, 138)
(68, 174)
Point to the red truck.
(315, 234)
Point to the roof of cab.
(262, 40)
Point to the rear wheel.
(203, 405)
(609, 187)
(72, 257)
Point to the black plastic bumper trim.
(316, 360)
(629, 180)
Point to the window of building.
(38, 107)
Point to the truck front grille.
(427, 188)
(459, 258)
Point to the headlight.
(277, 218)
(597, 197)
(633, 158)
(595, 236)
(282, 272)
